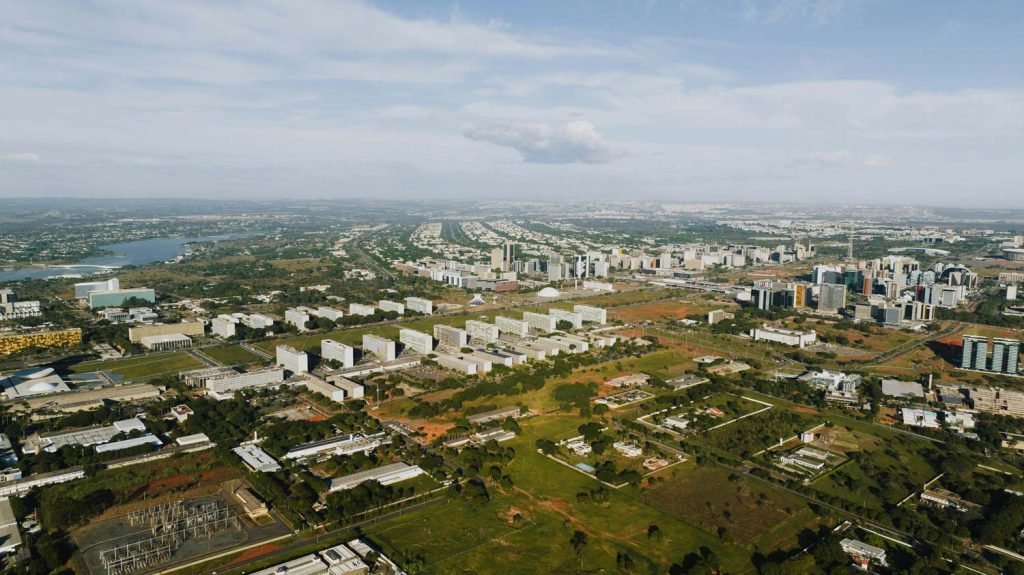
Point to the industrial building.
(417, 340)
(382, 348)
(339, 352)
(292, 359)
(256, 459)
(339, 445)
(385, 475)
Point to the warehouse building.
(385, 475)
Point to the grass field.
(143, 367)
(232, 355)
(458, 538)
(704, 496)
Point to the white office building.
(789, 337)
(420, 305)
(223, 326)
(82, 289)
(539, 321)
(387, 305)
(227, 383)
(292, 359)
(416, 340)
(516, 327)
(482, 332)
(336, 351)
(297, 317)
(382, 348)
(360, 309)
(572, 317)
(591, 314)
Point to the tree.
(579, 542)
(654, 532)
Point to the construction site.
(169, 533)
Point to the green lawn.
(143, 367)
(232, 355)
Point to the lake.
(137, 253)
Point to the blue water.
(137, 253)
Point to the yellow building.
(64, 338)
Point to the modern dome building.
(31, 382)
(549, 292)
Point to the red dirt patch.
(256, 552)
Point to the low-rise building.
(169, 342)
(924, 418)
(789, 337)
(630, 380)
(189, 328)
(338, 445)
(500, 414)
(386, 475)
(862, 552)
(902, 389)
(254, 507)
(256, 459)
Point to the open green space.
(720, 502)
(144, 366)
(232, 355)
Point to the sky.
(873, 101)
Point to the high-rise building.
(335, 351)
(382, 348)
(497, 259)
(450, 336)
(832, 297)
(1005, 355)
(416, 340)
(482, 332)
(292, 359)
(509, 255)
(974, 347)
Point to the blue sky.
(692, 100)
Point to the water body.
(137, 253)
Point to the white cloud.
(21, 157)
(879, 161)
(833, 159)
(818, 12)
(575, 142)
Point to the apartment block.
(511, 326)
(572, 317)
(387, 305)
(336, 351)
(382, 348)
(449, 336)
(420, 305)
(416, 340)
(540, 322)
(360, 309)
(591, 314)
(479, 331)
(292, 359)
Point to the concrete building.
(360, 309)
(292, 359)
(223, 326)
(500, 414)
(336, 351)
(339, 445)
(256, 459)
(591, 314)
(417, 341)
(386, 305)
(420, 305)
(297, 317)
(87, 399)
(117, 298)
(10, 535)
(572, 317)
(511, 326)
(539, 322)
(314, 384)
(458, 363)
(719, 315)
(998, 401)
(329, 313)
(1005, 356)
(482, 332)
(352, 389)
(167, 342)
(449, 336)
(83, 289)
(31, 382)
(385, 475)
(832, 297)
(380, 347)
(789, 337)
(902, 389)
(189, 328)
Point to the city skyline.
(793, 100)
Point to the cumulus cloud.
(576, 142)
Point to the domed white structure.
(549, 292)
